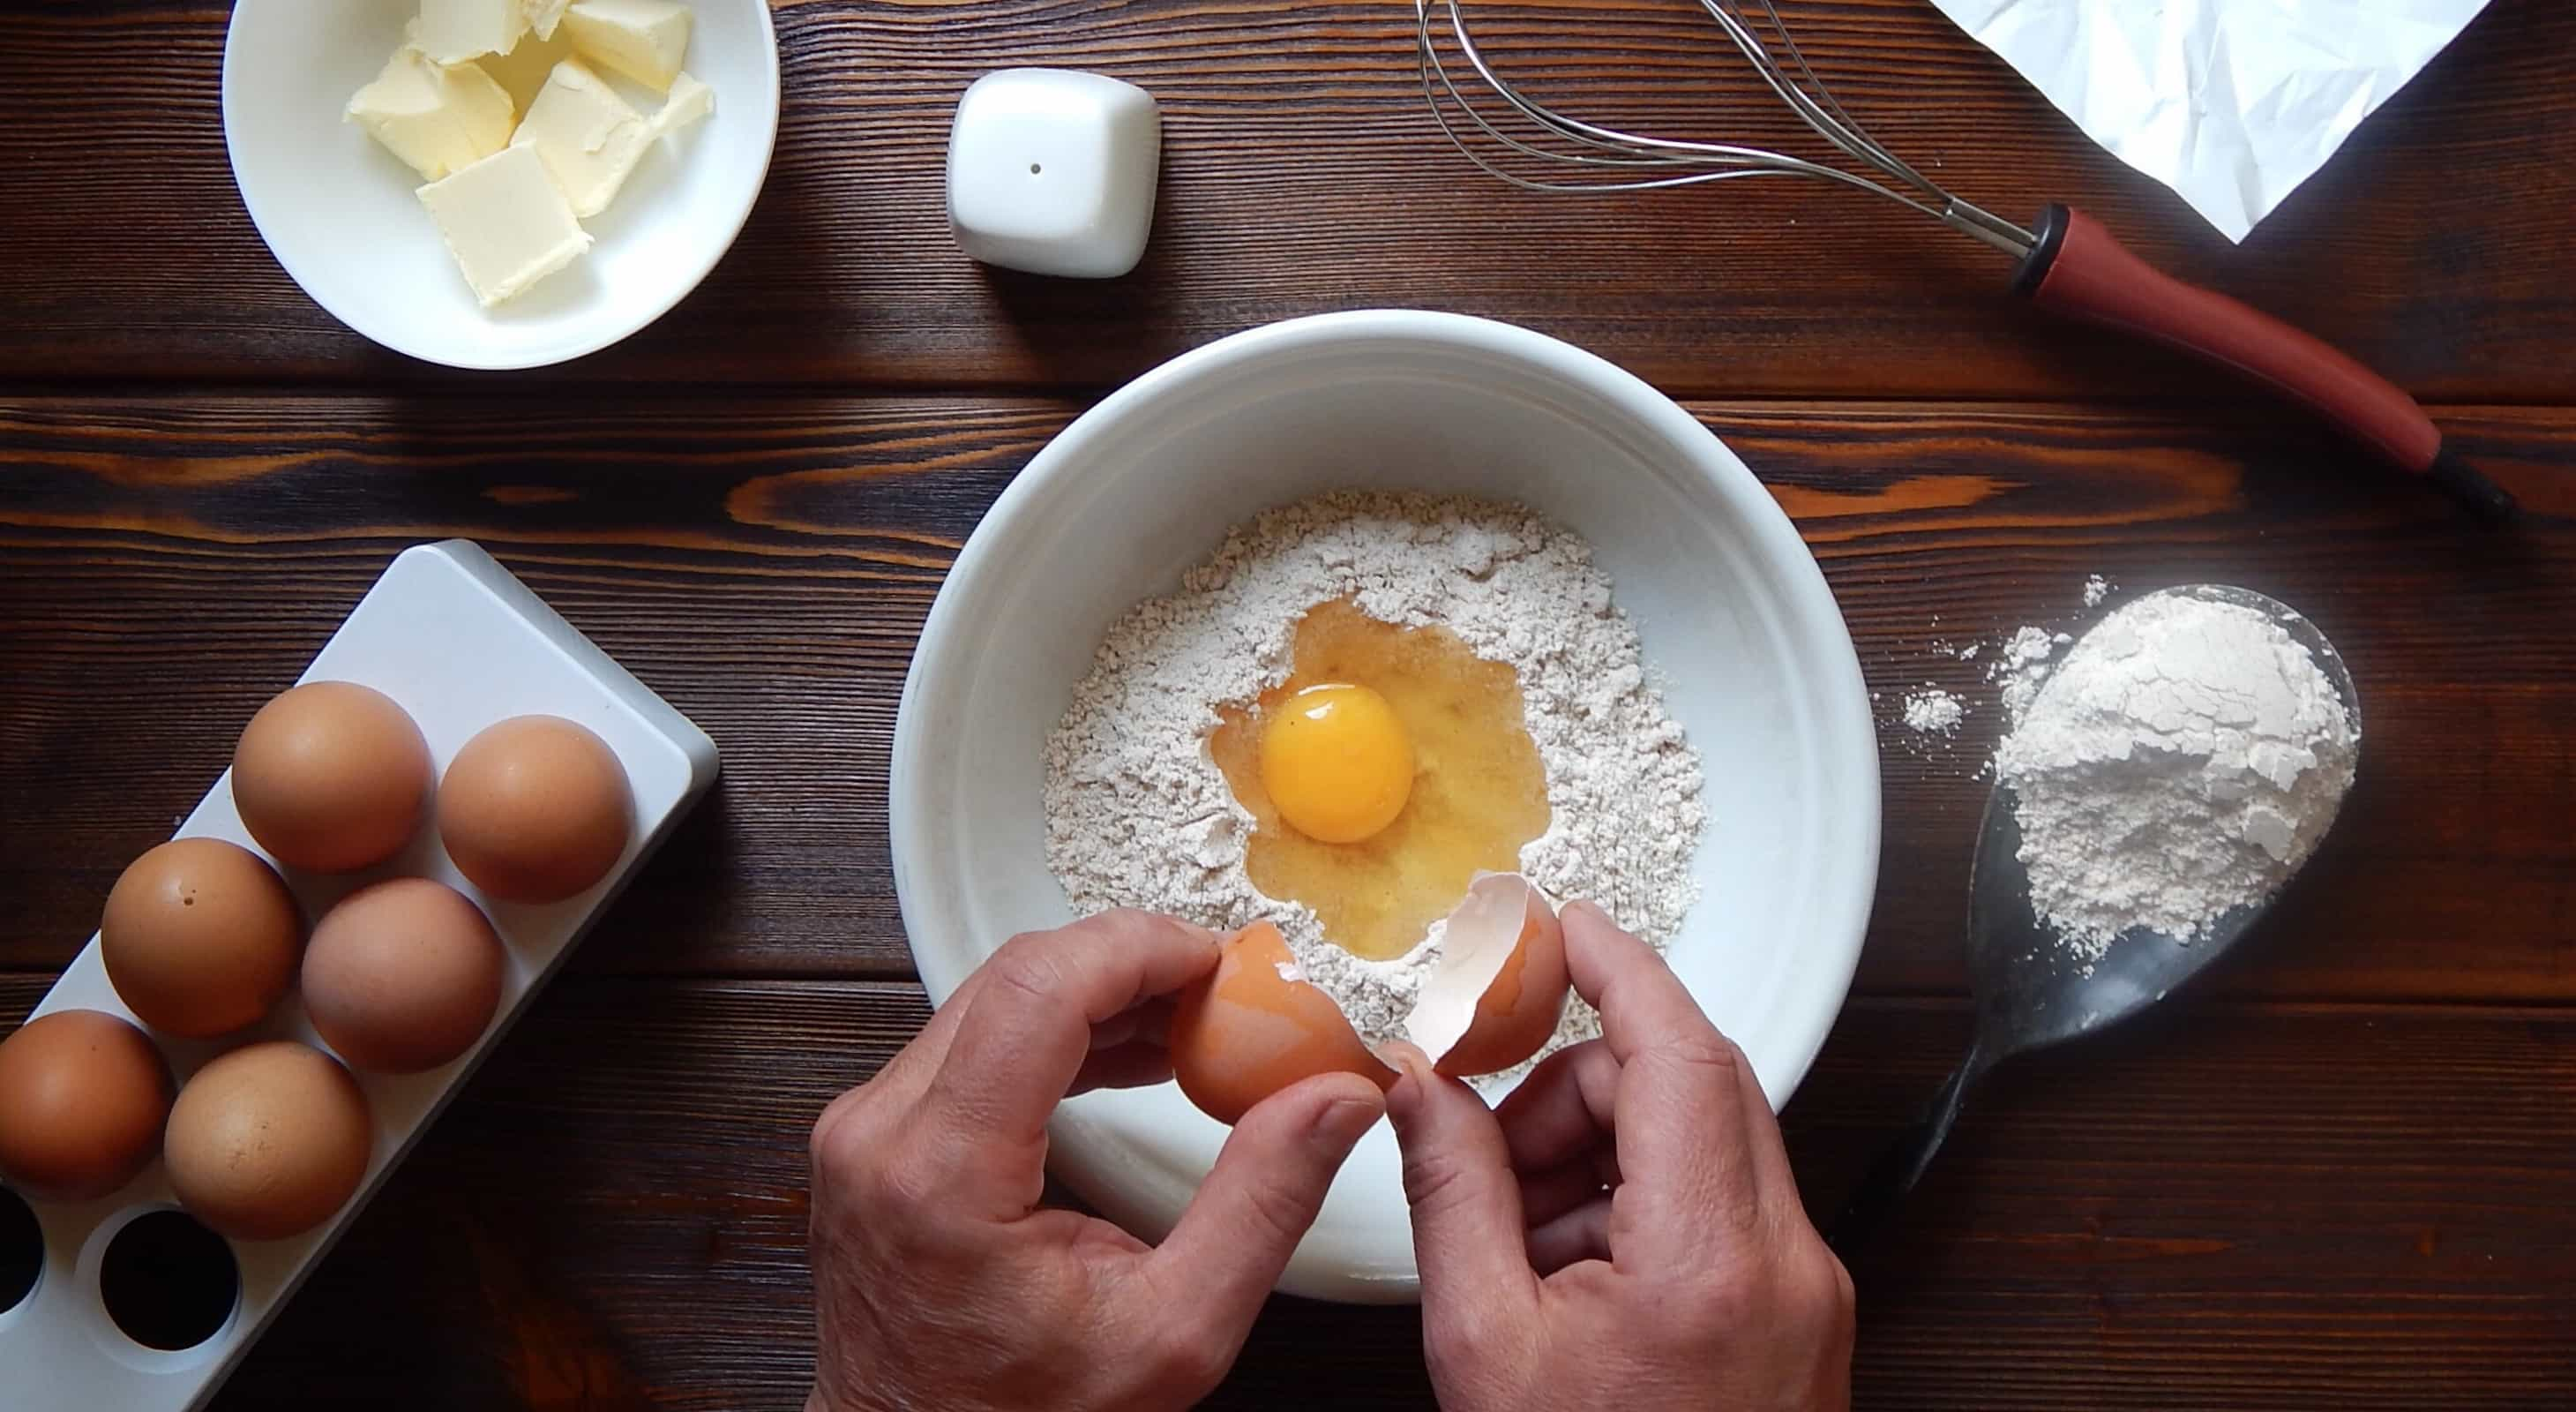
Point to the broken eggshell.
(1257, 1025)
(1495, 995)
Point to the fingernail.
(1414, 1070)
(1405, 1055)
(1343, 1120)
(1198, 931)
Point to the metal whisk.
(2068, 262)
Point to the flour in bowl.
(1138, 815)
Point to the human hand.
(1624, 1231)
(939, 1282)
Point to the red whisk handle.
(2080, 269)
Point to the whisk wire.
(1621, 153)
(1629, 150)
(1819, 109)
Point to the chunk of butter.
(435, 117)
(453, 31)
(643, 39)
(689, 102)
(543, 15)
(589, 137)
(506, 222)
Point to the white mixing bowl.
(1734, 613)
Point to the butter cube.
(543, 16)
(435, 117)
(506, 222)
(643, 39)
(453, 31)
(689, 102)
(589, 137)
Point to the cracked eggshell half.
(1495, 995)
(1257, 1025)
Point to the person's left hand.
(939, 1282)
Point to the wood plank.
(766, 562)
(2228, 1205)
(1303, 174)
(2293, 1206)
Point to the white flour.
(1139, 816)
(2021, 665)
(1932, 711)
(2182, 760)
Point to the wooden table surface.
(2342, 1173)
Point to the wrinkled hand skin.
(1623, 1231)
(941, 1285)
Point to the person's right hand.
(1624, 1232)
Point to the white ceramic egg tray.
(460, 644)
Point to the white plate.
(339, 212)
(460, 644)
(1733, 611)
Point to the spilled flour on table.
(1930, 710)
(2021, 664)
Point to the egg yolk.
(1337, 763)
(1463, 785)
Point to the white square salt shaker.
(1053, 170)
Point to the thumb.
(1268, 1183)
(1467, 1234)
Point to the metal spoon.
(2030, 992)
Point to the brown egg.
(200, 937)
(1255, 1026)
(403, 976)
(331, 776)
(268, 1141)
(535, 809)
(82, 1098)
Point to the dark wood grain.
(766, 562)
(1303, 174)
(2211, 1212)
(2340, 1174)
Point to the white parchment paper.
(2232, 103)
